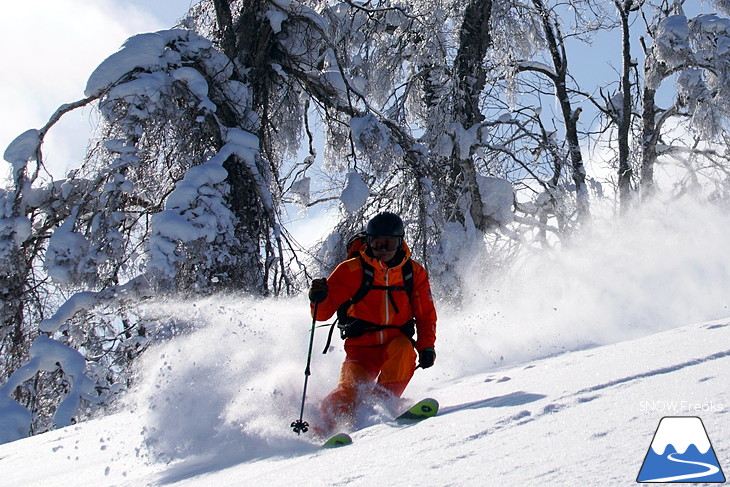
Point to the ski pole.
(301, 426)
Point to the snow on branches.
(46, 355)
(699, 50)
(195, 215)
(153, 203)
(21, 150)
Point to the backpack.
(351, 327)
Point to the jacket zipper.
(385, 296)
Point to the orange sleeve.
(341, 286)
(424, 310)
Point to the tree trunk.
(649, 138)
(556, 46)
(625, 172)
(13, 338)
(475, 40)
(225, 25)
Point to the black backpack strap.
(368, 276)
(366, 284)
(358, 327)
(407, 271)
(329, 336)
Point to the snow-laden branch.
(27, 146)
(135, 289)
(49, 355)
(195, 210)
(46, 355)
(142, 51)
(537, 67)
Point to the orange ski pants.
(390, 365)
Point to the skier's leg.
(398, 367)
(357, 370)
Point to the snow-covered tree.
(553, 40)
(175, 196)
(693, 52)
(620, 106)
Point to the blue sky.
(50, 49)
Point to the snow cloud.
(666, 265)
(238, 372)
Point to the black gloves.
(318, 290)
(426, 358)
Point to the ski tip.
(432, 402)
(425, 408)
(340, 439)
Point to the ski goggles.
(386, 244)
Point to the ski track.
(711, 470)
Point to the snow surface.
(579, 418)
(555, 371)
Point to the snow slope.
(579, 418)
(555, 371)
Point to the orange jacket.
(376, 307)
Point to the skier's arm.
(341, 286)
(424, 310)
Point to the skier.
(379, 327)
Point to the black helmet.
(385, 224)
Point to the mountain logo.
(681, 452)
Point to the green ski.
(425, 408)
(340, 439)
